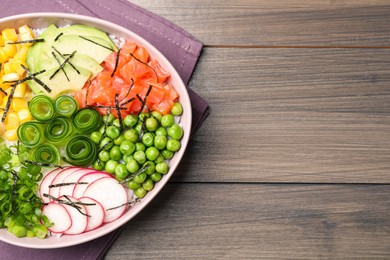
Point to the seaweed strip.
(36, 79)
(129, 178)
(8, 105)
(155, 73)
(59, 63)
(128, 92)
(27, 41)
(118, 111)
(116, 63)
(16, 82)
(44, 164)
(58, 36)
(63, 56)
(62, 64)
(66, 184)
(82, 37)
(3, 91)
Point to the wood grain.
(219, 221)
(292, 115)
(280, 23)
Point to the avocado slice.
(78, 60)
(59, 84)
(95, 47)
(87, 31)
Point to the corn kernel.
(18, 104)
(4, 103)
(12, 120)
(22, 52)
(3, 56)
(2, 42)
(10, 77)
(25, 30)
(17, 67)
(10, 49)
(9, 34)
(11, 134)
(2, 128)
(20, 90)
(8, 67)
(24, 115)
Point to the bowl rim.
(5, 236)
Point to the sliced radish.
(89, 178)
(46, 181)
(111, 195)
(55, 191)
(59, 216)
(73, 178)
(95, 213)
(79, 217)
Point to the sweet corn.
(11, 134)
(18, 104)
(7, 67)
(3, 56)
(25, 33)
(9, 34)
(2, 42)
(16, 66)
(4, 103)
(12, 120)
(20, 90)
(24, 115)
(22, 53)
(10, 49)
(10, 77)
(2, 128)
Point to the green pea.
(115, 153)
(156, 177)
(121, 172)
(151, 167)
(161, 131)
(110, 166)
(104, 156)
(175, 132)
(159, 159)
(152, 153)
(131, 135)
(127, 157)
(108, 119)
(151, 124)
(177, 109)
(148, 184)
(96, 137)
(113, 132)
(140, 192)
(140, 147)
(133, 185)
(167, 154)
(140, 157)
(140, 178)
(167, 120)
(116, 123)
(99, 165)
(119, 140)
(157, 115)
(162, 167)
(106, 143)
(127, 147)
(160, 141)
(138, 127)
(132, 166)
(148, 139)
(130, 120)
(143, 115)
(173, 145)
(102, 129)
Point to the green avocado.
(91, 46)
(78, 60)
(60, 84)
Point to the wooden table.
(294, 159)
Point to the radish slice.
(95, 213)
(79, 219)
(89, 178)
(46, 181)
(54, 191)
(111, 195)
(73, 178)
(58, 215)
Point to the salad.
(88, 126)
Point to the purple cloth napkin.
(181, 49)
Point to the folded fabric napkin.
(181, 49)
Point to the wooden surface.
(294, 159)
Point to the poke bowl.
(131, 101)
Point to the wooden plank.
(280, 23)
(292, 115)
(219, 221)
